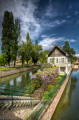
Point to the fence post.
(31, 100)
(12, 98)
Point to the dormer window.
(56, 52)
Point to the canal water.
(18, 80)
(68, 107)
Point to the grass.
(3, 68)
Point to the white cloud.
(24, 11)
(77, 55)
(48, 43)
(72, 40)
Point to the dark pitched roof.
(64, 52)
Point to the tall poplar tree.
(7, 35)
(36, 49)
(16, 38)
(28, 48)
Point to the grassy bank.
(2, 68)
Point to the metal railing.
(12, 94)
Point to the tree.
(7, 35)
(66, 46)
(43, 56)
(16, 38)
(36, 49)
(71, 51)
(22, 48)
(3, 59)
(28, 48)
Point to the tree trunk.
(22, 63)
(14, 63)
(27, 63)
(9, 64)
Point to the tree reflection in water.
(66, 100)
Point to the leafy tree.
(43, 56)
(22, 48)
(71, 51)
(16, 38)
(28, 48)
(3, 59)
(7, 35)
(36, 49)
(66, 46)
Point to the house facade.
(60, 59)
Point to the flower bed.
(45, 77)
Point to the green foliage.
(43, 56)
(28, 48)
(36, 49)
(46, 65)
(22, 49)
(3, 59)
(50, 87)
(30, 89)
(30, 61)
(70, 50)
(45, 95)
(5, 68)
(7, 35)
(16, 39)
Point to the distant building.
(61, 59)
(76, 64)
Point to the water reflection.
(19, 80)
(69, 99)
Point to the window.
(51, 60)
(62, 69)
(62, 60)
(56, 60)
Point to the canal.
(18, 80)
(68, 107)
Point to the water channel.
(18, 80)
(68, 107)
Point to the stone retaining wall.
(10, 72)
(50, 111)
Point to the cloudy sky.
(51, 22)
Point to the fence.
(13, 94)
(42, 105)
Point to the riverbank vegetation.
(44, 77)
(14, 49)
(46, 81)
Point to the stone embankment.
(14, 71)
(50, 111)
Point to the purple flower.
(33, 77)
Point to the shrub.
(46, 77)
(50, 87)
(46, 65)
(45, 95)
(30, 89)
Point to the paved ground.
(16, 114)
